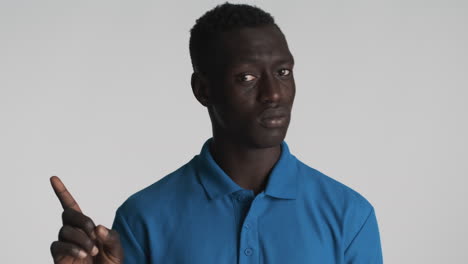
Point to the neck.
(248, 167)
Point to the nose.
(270, 89)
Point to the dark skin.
(80, 241)
(253, 77)
(249, 97)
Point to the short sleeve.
(133, 252)
(365, 247)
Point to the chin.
(267, 140)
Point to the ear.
(201, 88)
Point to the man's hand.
(79, 240)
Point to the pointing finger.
(65, 198)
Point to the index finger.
(65, 198)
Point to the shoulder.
(320, 187)
(159, 194)
(340, 204)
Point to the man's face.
(253, 86)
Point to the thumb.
(110, 242)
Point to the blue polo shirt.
(199, 215)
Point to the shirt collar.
(282, 182)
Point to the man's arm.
(365, 247)
(134, 252)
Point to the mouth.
(274, 117)
(274, 121)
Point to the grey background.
(97, 92)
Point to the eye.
(284, 72)
(247, 77)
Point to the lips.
(273, 118)
(274, 113)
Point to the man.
(245, 198)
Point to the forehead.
(253, 44)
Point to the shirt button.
(248, 251)
(247, 225)
(241, 198)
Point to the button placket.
(249, 233)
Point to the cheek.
(239, 104)
(231, 114)
(235, 107)
(293, 94)
(290, 91)
(239, 117)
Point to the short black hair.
(222, 18)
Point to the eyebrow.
(247, 61)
